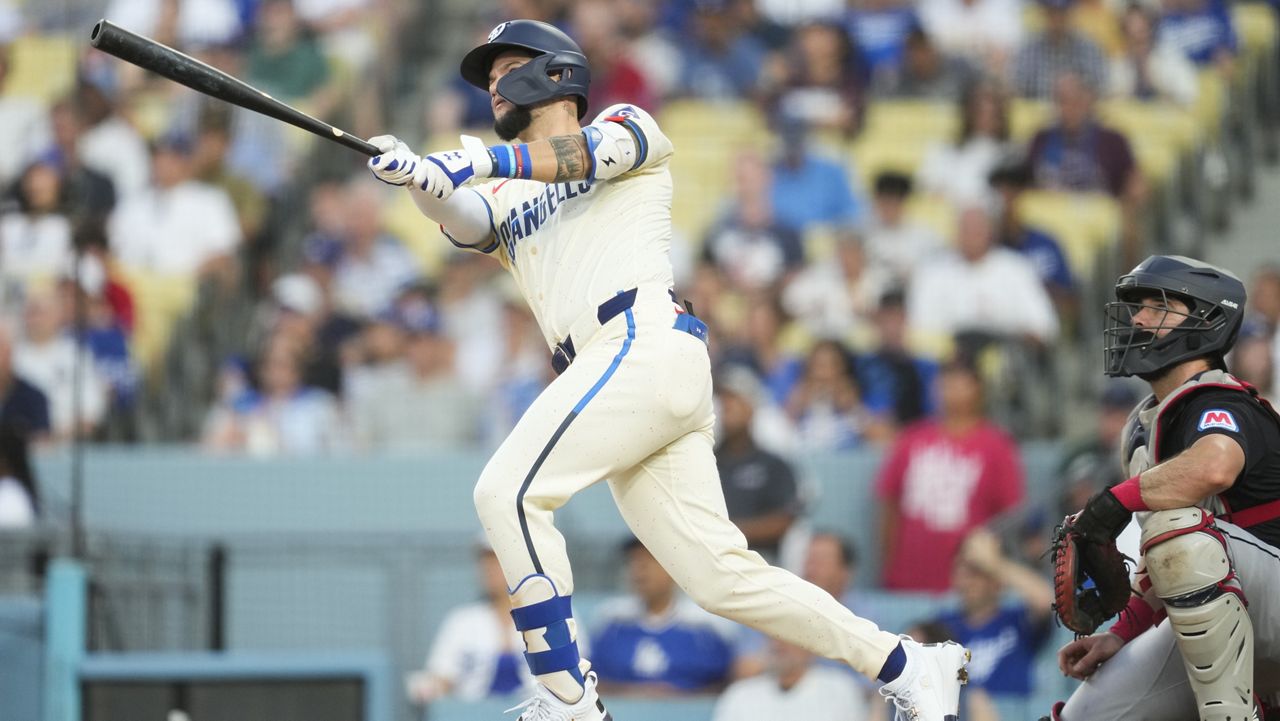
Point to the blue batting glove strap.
(456, 166)
(593, 137)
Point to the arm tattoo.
(571, 157)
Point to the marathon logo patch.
(1218, 419)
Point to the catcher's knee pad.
(1190, 569)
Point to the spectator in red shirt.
(941, 479)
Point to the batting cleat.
(929, 687)
(546, 706)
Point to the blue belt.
(564, 352)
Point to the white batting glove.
(397, 163)
(442, 173)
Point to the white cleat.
(546, 706)
(929, 687)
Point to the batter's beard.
(509, 125)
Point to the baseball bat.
(186, 70)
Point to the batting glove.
(397, 163)
(442, 173)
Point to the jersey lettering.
(1218, 419)
(525, 220)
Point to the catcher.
(1203, 453)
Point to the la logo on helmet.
(493, 34)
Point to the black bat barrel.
(186, 70)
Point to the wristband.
(1137, 617)
(1129, 493)
(511, 161)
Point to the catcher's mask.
(1215, 301)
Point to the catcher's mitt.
(1090, 579)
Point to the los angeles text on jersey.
(524, 221)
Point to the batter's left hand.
(396, 164)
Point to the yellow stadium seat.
(1166, 122)
(420, 235)
(43, 67)
(1084, 223)
(160, 301)
(1026, 117)
(912, 120)
(1255, 24)
(707, 138)
(936, 213)
(1211, 102)
(873, 155)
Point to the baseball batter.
(581, 217)
(1200, 638)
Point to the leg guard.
(545, 619)
(1191, 571)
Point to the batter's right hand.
(396, 164)
(1082, 657)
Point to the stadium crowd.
(172, 269)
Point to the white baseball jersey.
(571, 246)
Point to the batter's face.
(509, 120)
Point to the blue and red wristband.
(511, 161)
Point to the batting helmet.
(531, 83)
(1215, 301)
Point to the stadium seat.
(873, 155)
(707, 137)
(1255, 24)
(1084, 223)
(1026, 117)
(911, 120)
(160, 302)
(44, 66)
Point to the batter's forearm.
(560, 159)
(464, 215)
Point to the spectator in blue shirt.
(1003, 636)
(1201, 29)
(656, 642)
(1040, 247)
(810, 190)
(879, 30)
(895, 382)
(721, 60)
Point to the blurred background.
(245, 389)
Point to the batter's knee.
(1184, 552)
(494, 497)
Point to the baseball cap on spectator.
(420, 319)
(322, 249)
(298, 293)
(739, 380)
(1057, 4)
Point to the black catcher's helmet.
(531, 83)
(1215, 301)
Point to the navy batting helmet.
(1215, 301)
(530, 84)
